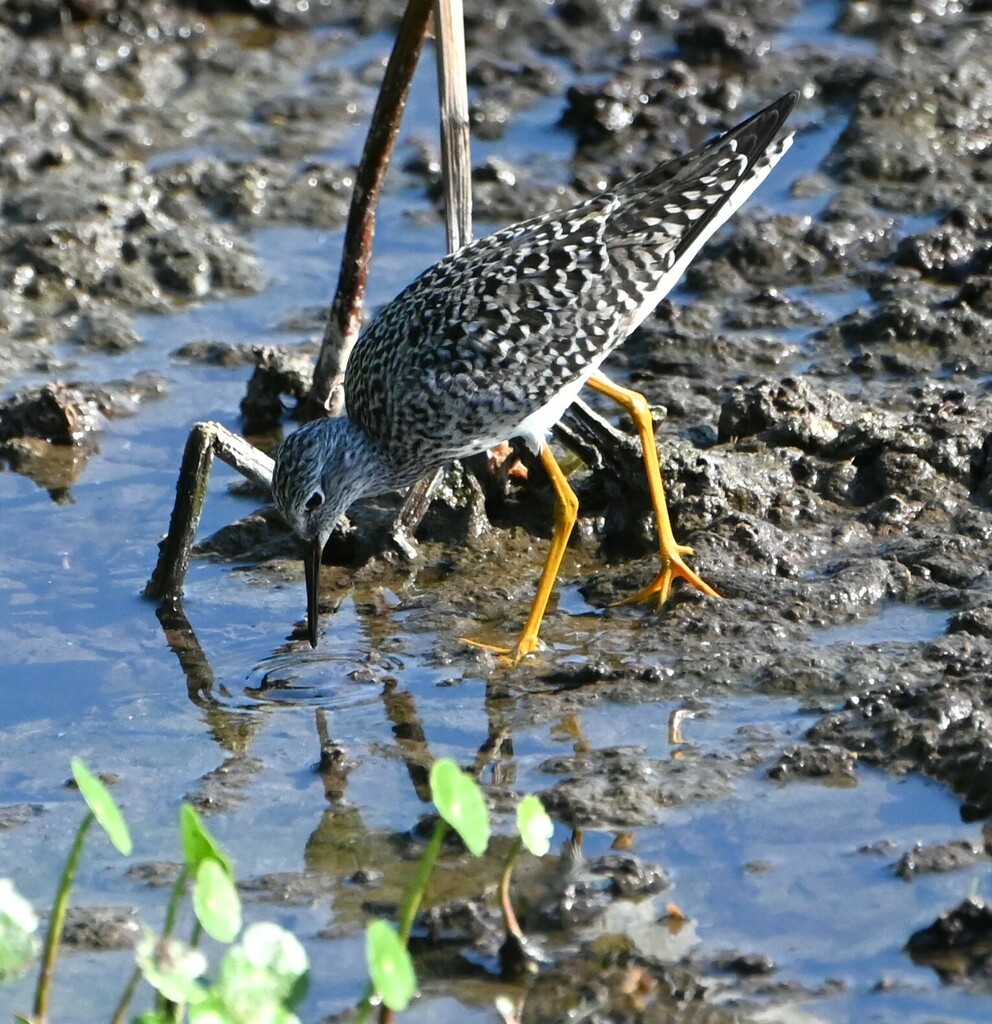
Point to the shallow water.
(894, 623)
(770, 868)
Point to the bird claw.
(510, 656)
(660, 589)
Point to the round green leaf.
(460, 802)
(216, 901)
(267, 968)
(534, 825)
(103, 806)
(277, 950)
(198, 843)
(390, 966)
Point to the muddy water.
(798, 871)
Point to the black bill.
(311, 565)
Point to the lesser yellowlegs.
(495, 341)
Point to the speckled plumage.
(496, 339)
(492, 333)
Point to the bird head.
(319, 471)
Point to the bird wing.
(493, 332)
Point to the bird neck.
(370, 470)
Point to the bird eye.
(314, 501)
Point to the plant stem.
(126, 996)
(169, 925)
(414, 897)
(56, 923)
(509, 917)
(172, 910)
(415, 894)
(362, 1010)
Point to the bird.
(496, 339)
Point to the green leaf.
(534, 825)
(390, 966)
(460, 802)
(216, 902)
(171, 968)
(198, 843)
(279, 952)
(18, 922)
(103, 806)
(263, 976)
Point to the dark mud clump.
(958, 945)
(928, 860)
(48, 432)
(101, 928)
(938, 727)
(92, 230)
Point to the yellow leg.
(671, 551)
(566, 512)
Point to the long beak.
(311, 566)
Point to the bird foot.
(672, 566)
(510, 656)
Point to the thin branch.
(204, 442)
(344, 318)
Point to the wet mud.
(822, 385)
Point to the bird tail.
(664, 216)
(749, 140)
